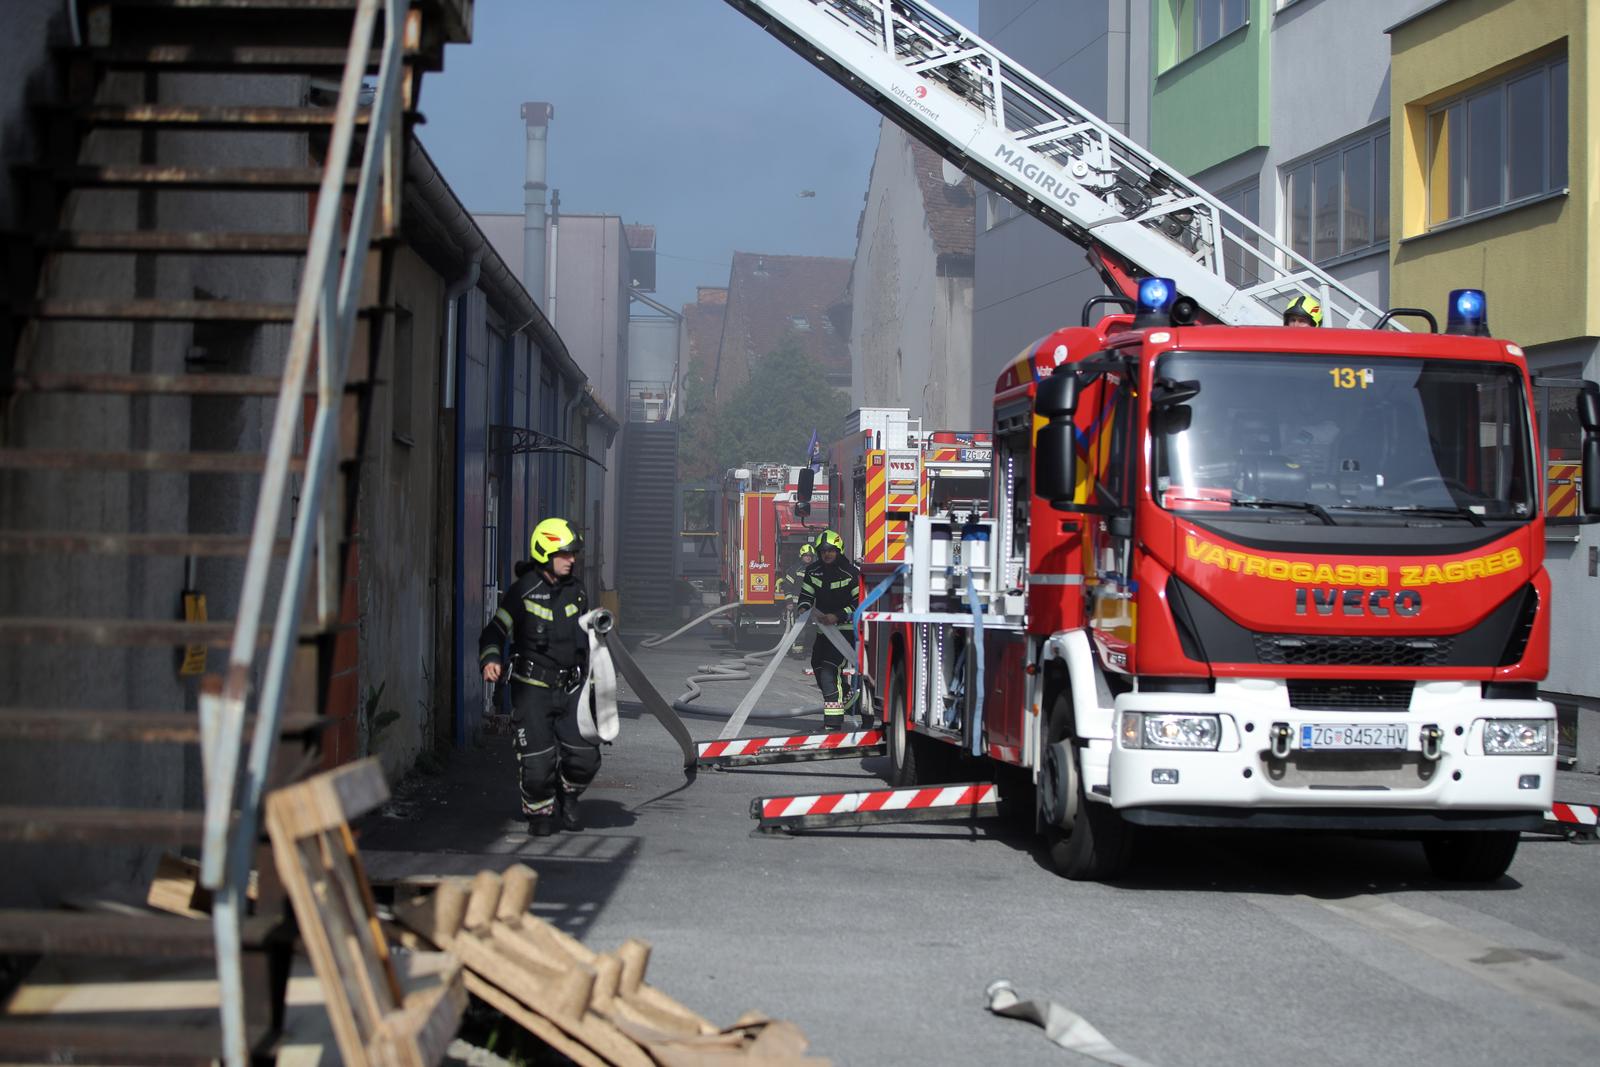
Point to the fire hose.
(597, 699)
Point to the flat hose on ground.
(736, 668)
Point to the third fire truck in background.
(762, 532)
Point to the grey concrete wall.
(399, 484)
(1029, 279)
(910, 329)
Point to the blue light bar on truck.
(1157, 294)
(1468, 313)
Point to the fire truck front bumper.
(1444, 756)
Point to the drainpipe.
(555, 238)
(537, 117)
(452, 298)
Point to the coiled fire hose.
(736, 668)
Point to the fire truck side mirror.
(808, 481)
(1589, 407)
(1057, 395)
(1055, 461)
(1591, 474)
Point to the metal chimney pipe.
(537, 116)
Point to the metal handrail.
(324, 326)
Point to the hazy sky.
(678, 113)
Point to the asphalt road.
(1228, 949)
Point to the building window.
(1338, 200)
(1198, 24)
(1240, 266)
(1498, 144)
(1555, 395)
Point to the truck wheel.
(1471, 855)
(1086, 840)
(902, 750)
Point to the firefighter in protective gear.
(833, 587)
(549, 655)
(1303, 311)
(789, 586)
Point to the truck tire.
(903, 753)
(1097, 844)
(1471, 855)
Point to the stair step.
(52, 542)
(200, 117)
(152, 727)
(224, 59)
(126, 633)
(301, 6)
(96, 934)
(145, 826)
(190, 179)
(159, 311)
(50, 1040)
(154, 384)
(244, 311)
(192, 242)
(192, 462)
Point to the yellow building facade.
(1527, 245)
(1495, 185)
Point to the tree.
(770, 417)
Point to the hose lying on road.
(736, 668)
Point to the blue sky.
(678, 113)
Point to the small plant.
(374, 721)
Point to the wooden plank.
(533, 1022)
(92, 934)
(324, 802)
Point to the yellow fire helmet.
(552, 536)
(1306, 307)
(830, 539)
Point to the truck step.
(958, 802)
(792, 748)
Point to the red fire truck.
(884, 470)
(1245, 577)
(762, 535)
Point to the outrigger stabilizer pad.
(791, 748)
(939, 803)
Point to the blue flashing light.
(1468, 313)
(1157, 294)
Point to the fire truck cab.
(1243, 576)
(763, 532)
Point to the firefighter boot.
(571, 821)
(832, 717)
(542, 819)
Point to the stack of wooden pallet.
(594, 1008)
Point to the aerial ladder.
(1028, 141)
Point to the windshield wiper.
(1423, 510)
(1295, 505)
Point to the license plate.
(1353, 735)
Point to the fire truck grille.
(1312, 693)
(1311, 650)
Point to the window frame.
(1458, 145)
(1376, 139)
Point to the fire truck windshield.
(1342, 439)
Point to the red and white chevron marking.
(950, 796)
(1574, 814)
(753, 746)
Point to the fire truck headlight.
(1518, 737)
(1165, 730)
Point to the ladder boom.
(1028, 141)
